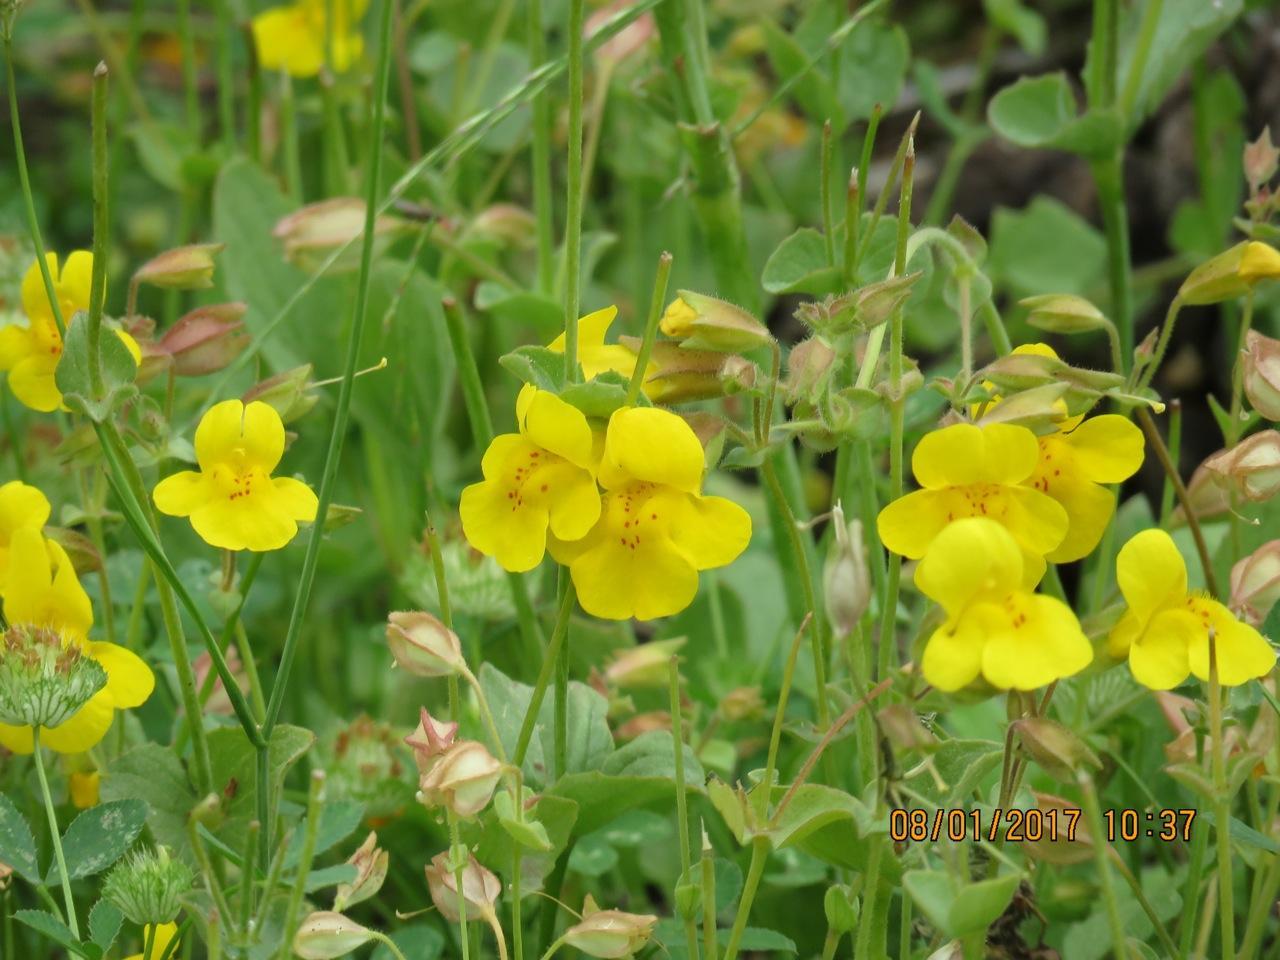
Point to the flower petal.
(295, 499)
(249, 523)
(32, 382)
(244, 436)
(908, 525)
(949, 457)
(710, 531)
(1159, 658)
(183, 493)
(41, 587)
(16, 344)
(591, 330)
(1108, 448)
(515, 536)
(35, 298)
(129, 679)
(17, 739)
(1151, 573)
(1045, 645)
(21, 505)
(84, 730)
(573, 502)
(286, 40)
(967, 560)
(1037, 521)
(952, 656)
(617, 582)
(75, 282)
(1243, 654)
(1089, 508)
(557, 426)
(651, 445)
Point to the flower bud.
(44, 680)
(148, 886)
(738, 375)
(205, 340)
(83, 785)
(480, 888)
(809, 367)
(1260, 161)
(742, 703)
(646, 665)
(326, 935)
(1251, 467)
(609, 934)
(1255, 583)
(1261, 374)
(505, 223)
(1061, 847)
(707, 323)
(424, 646)
(1063, 313)
(371, 863)
(289, 393)
(1231, 273)
(1058, 751)
(841, 908)
(431, 740)
(677, 375)
(875, 303)
(183, 268)
(462, 779)
(845, 583)
(312, 233)
(1261, 261)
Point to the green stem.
(54, 836)
(558, 634)
(1191, 890)
(867, 927)
(289, 139)
(190, 94)
(709, 945)
(1109, 177)
(682, 802)
(779, 717)
(560, 696)
(650, 328)
(1222, 809)
(573, 209)
(390, 944)
(759, 854)
(1138, 63)
(1093, 811)
(315, 800)
(226, 81)
(824, 193)
(540, 156)
(101, 229)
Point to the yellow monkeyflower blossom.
(292, 38)
(42, 591)
(1165, 631)
(656, 530)
(995, 627)
(538, 479)
(30, 354)
(21, 507)
(972, 471)
(594, 355)
(233, 502)
(163, 936)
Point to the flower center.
(635, 514)
(977, 500)
(236, 481)
(528, 481)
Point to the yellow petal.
(953, 656)
(647, 581)
(348, 49)
(908, 525)
(131, 345)
(553, 424)
(573, 502)
(710, 531)
(286, 40)
(1151, 573)
(610, 356)
(515, 536)
(160, 942)
(1108, 449)
(248, 523)
(1009, 453)
(1038, 522)
(967, 560)
(84, 730)
(1158, 659)
(294, 499)
(654, 446)
(16, 739)
(21, 506)
(591, 331)
(35, 297)
(41, 587)
(84, 788)
(240, 436)
(949, 457)
(129, 679)
(183, 493)
(16, 344)
(503, 449)
(1242, 652)
(1089, 508)
(1042, 643)
(75, 282)
(32, 382)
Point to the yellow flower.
(30, 354)
(21, 507)
(1165, 631)
(164, 935)
(293, 38)
(233, 501)
(83, 787)
(594, 355)
(543, 476)
(995, 627)
(42, 591)
(656, 530)
(970, 471)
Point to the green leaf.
(421, 941)
(1042, 112)
(17, 843)
(873, 68)
(152, 773)
(46, 923)
(759, 940)
(493, 844)
(590, 741)
(329, 876)
(813, 91)
(799, 265)
(162, 149)
(929, 83)
(831, 825)
(959, 910)
(234, 763)
(99, 837)
(1045, 247)
(1023, 24)
(545, 315)
(593, 856)
(104, 923)
(528, 833)
(639, 774)
(536, 366)
(601, 395)
(72, 374)
(962, 766)
(338, 820)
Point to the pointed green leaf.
(17, 844)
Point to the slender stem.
(1138, 62)
(870, 893)
(544, 676)
(709, 944)
(759, 854)
(289, 139)
(315, 800)
(246, 878)
(650, 327)
(1222, 808)
(390, 944)
(682, 803)
(573, 211)
(1135, 887)
(1109, 177)
(779, 717)
(540, 156)
(1175, 457)
(1180, 489)
(190, 95)
(1191, 890)
(824, 193)
(226, 78)
(1093, 811)
(560, 696)
(54, 836)
(1237, 370)
(101, 229)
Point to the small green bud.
(182, 268)
(148, 886)
(44, 679)
(290, 392)
(708, 323)
(841, 908)
(326, 935)
(1063, 313)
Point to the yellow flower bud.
(1261, 370)
(1255, 583)
(1260, 261)
(1231, 273)
(462, 779)
(326, 935)
(609, 934)
(480, 888)
(424, 646)
(708, 323)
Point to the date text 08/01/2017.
(1016, 825)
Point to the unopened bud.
(205, 340)
(609, 934)
(841, 908)
(311, 234)
(1231, 273)
(290, 393)
(1255, 583)
(739, 375)
(742, 703)
(431, 740)
(1251, 467)
(148, 886)
(1058, 751)
(480, 888)
(846, 585)
(809, 367)
(1260, 161)
(183, 268)
(677, 375)
(875, 303)
(507, 224)
(1261, 374)
(423, 646)
(462, 779)
(1060, 847)
(646, 665)
(708, 323)
(44, 680)
(1063, 313)
(371, 864)
(326, 935)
